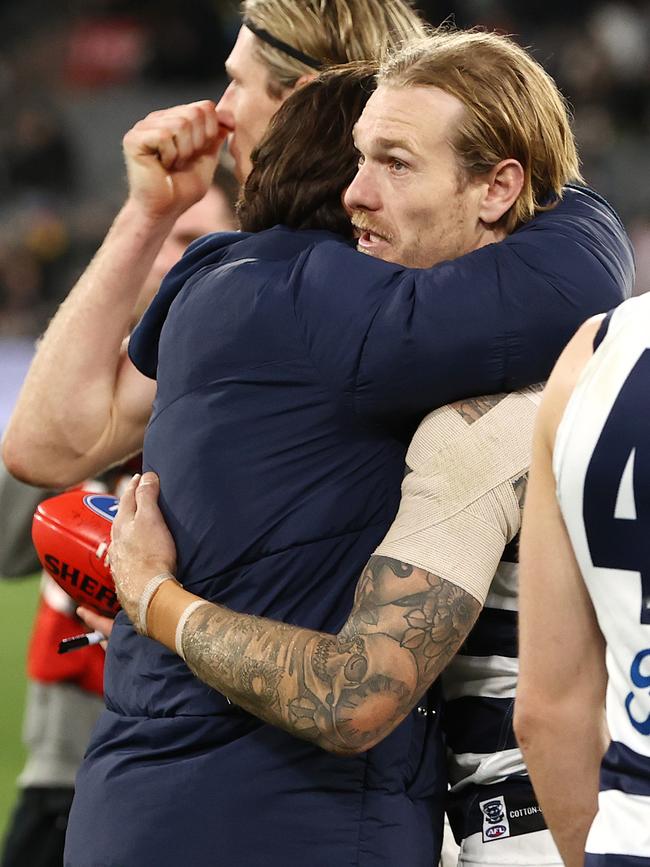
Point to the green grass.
(18, 599)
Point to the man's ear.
(305, 79)
(504, 183)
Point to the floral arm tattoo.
(343, 692)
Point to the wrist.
(147, 221)
(149, 590)
(166, 609)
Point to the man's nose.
(224, 108)
(362, 194)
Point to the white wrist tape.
(147, 595)
(182, 622)
(459, 508)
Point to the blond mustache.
(363, 224)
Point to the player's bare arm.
(560, 694)
(344, 692)
(84, 405)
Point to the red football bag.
(71, 534)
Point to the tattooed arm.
(343, 692)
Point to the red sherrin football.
(71, 534)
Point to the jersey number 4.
(618, 529)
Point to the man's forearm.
(65, 404)
(563, 749)
(343, 692)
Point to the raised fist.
(171, 156)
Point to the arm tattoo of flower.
(343, 692)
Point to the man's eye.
(398, 167)
(360, 159)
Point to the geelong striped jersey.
(479, 689)
(491, 793)
(602, 468)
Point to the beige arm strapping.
(459, 508)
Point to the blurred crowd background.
(75, 74)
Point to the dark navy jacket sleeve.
(493, 320)
(206, 252)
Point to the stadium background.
(75, 75)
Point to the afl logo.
(495, 818)
(103, 505)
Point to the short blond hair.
(513, 109)
(330, 31)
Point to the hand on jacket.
(141, 545)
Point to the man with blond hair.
(441, 174)
(282, 44)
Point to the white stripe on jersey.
(504, 589)
(625, 508)
(621, 826)
(487, 676)
(483, 768)
(504, 603)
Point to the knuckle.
(205, 105)
(184, 123)
(166, 138)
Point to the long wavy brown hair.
(307, 157)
